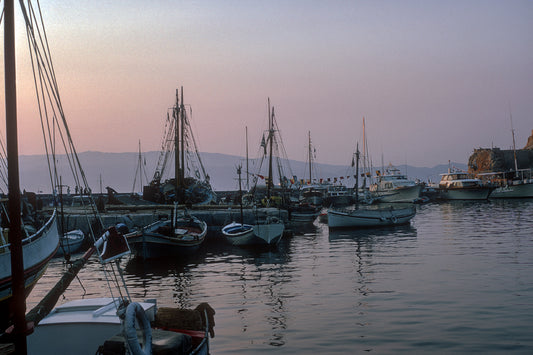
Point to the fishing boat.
(510, 184)
(370, 217)
(183, 234)
(459, 185)
(365, 216)
(190, 181)
(257, 233)
(38, 249)
(393, 186)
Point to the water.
(459, 279)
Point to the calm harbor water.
(458, 279)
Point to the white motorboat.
(459, 185)
(393, 186)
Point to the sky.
(433, 79)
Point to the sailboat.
(83, 326)
(368, 216)
(258, 233)
(311, 198)
(268, 229)
(190, 183)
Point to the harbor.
(455, 280)
(272, 242)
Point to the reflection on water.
(457, 279)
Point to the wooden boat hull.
(153, 241)
(364, 218)
(38, 249)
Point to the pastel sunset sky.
(433, 79)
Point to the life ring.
(135, 313)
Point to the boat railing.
(4, 234)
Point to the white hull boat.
(369, 217)
(393, 186)
(38, 249)
(268, 233)
(70, 242)
(89, 326)
(524, 190)
(456, 185)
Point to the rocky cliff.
(494, 159)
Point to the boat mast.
(270, 181)
(182, 133)
(357, 176)
(247, 171)
(175, 114)
(310, 158)
(18, 301)
(514, 145)
(240, 195)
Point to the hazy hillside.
(118, 170)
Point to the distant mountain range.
(118, 170)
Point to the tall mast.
(182, 170)
(175, 114)
(514, 145)
(357, 176)
(270, 182)
(310, 158)
(247, 174)
(18, 301)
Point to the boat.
(370, 217)
(365, 216)
(257, 233)
(167, 238)
(304, 212)
(338, 195)
(510, 184)
(268, 233)
(190, 181)
(38, 249)
(513, 183)
(70, 242)
(110, 325)
(459, 185)
(393, 186)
